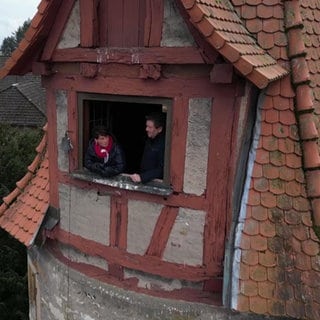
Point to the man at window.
(152, 162)
(104, 155)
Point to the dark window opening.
(125, 117)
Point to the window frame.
(122, 181)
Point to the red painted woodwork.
(187, 294)
(149, 264)
(88, 70)
(118, 222)
(122, 23)
(89, 31)
(180, 113)
(57, 29)
(153, 23)
(176, 199)
(170, 87)
(162, 231)
(183, 55)
(219, 161)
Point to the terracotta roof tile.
(225, 35)
(257, 171)
(277, 158)
(270, 25)
(270, 171)
(277, 186)
(279, 130)
(286, 146)
(263, 157)
(258, 273)
(250, 257)
(263, 11)
(310, 247)
(272, 116)
(254, 25)
(25, 211)
(266, 130)
(270, 143)
(311, 155)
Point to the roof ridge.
(304, 104)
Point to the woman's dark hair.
(100, 131)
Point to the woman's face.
(102, 141)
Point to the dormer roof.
(217, 21)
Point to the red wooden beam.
(162, 231)
(169, 88)
(57, 28)
(148, 264)
(175, 200)
(172, 55)
(88, 23)
(153, 23)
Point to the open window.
(125, 117)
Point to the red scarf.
(103, 152)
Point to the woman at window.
(104, 155)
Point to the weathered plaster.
(186, 239)
(174, 32)
(149, 281)
(79, 257)
(62, 128)
(197, 146)
(85, 213)
(71, 34)
(66, 294)
(142, 217)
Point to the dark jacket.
(115, 164)
(152, 162)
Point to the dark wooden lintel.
(221, 73)
(41, 69)
(189, 55)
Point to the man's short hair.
(158, 119)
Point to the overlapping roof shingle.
(221, 26)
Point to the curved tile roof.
(23, 210)
(221, 26)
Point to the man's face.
(151, 130)
(102, 141)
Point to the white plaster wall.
(79, 257)
(148, 281)
(185, 244)
(175, 33)
(198, 135)
(142, 217)
(62, 128)
(85, 213)
(71, 34)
